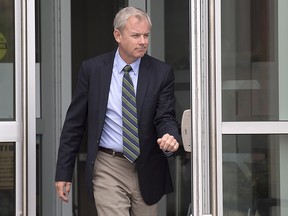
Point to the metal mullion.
(28, 107)
(196, 107)
(212, 110)
(268, 127)
(16, 127)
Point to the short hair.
(124, 14)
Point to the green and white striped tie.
(131, 149)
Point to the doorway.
(92, 34)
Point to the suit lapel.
(104, 86)
(105, 75)
(143, 81)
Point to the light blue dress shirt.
(112, 131)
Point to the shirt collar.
(119, 63)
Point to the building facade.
(231, 67)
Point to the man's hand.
(168, 143)
(63, 190)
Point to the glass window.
(255, 175)
(7, 60)
(254, 60)
(7, 179)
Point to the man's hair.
(124, 14)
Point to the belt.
(111, 152)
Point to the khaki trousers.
(116, 188)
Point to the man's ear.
(117, 35)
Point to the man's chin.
(141, 54)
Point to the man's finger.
(63, 189)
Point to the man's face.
(133, 39)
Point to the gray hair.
(124, 14)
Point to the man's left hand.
(168, 143)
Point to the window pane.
(254, 60)
(7, 179)
(255, 175)
(7, 60)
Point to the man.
(122, 185)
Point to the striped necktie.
(131, 149)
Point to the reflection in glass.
(7, 59)
(255, 175)
(251, 66)
(7, 179)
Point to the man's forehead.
(139, 25)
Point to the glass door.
(239, 118)
(17, 118)
(253, 113)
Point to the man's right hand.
(63, 190)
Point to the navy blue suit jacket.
(156, 116)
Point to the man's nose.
(142, 39)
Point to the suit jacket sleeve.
(165, 119)
(73, 129)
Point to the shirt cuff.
(168, 153)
